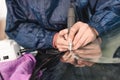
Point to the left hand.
(61, 42)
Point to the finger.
(91, 46)
(95, 45)
(74, 29)
(81, 42)
(89, 39)
(83, 51)
(63, 32)
(80, 34)
(62, 46)
(66, 36)
(62, 49)
(62, 42)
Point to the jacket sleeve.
(106, 17)
(26, 32)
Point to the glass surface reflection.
(107, 67)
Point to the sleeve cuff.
(99, 29)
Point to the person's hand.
(60, 41)
(81, 34)
(92, 51)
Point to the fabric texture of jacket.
(33, 23)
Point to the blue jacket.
(33, 23)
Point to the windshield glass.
(106, 67)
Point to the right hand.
(81, 34)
